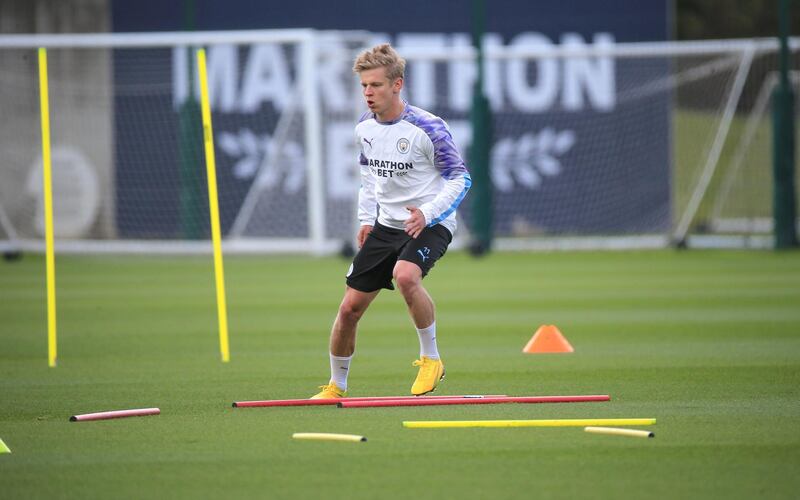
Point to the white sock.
(340, 367)
(427, 342)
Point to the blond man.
(412, 181)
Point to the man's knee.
(353, 307)
(407, 276)
(350, 311)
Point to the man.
(412, 181)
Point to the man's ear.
(398, 85)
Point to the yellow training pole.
(448, 424)
(44, 100)
(213, 205)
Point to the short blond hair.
(381, 56)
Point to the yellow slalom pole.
(44, 100)
(448, 424)
(213, 205)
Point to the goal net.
(742, 204)
(127, 143)
(603, 144)
(595, 143)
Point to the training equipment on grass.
(620, 432)
(334, 402)
(47, 179)
(547, 339)
(472, 401)
(324, 436)
(213, 205)
(4, 448)
(575, 422)
(105, 415)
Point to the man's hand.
(415, 223)
(362, 235)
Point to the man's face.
(379, 92)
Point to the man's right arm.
(363, 232)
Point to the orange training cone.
(547, 339)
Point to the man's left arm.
(451, 167)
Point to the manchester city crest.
(403, 145)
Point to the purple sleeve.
(445, 155)
(448, 162)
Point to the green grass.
(707, 342)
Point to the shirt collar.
(396, 120)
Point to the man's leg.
(343, 333)
(408, 277)
(371, 270)
(343, 340)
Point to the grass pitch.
(707, 342)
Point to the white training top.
(409, 161)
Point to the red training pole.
(323, 402)
(465, 401)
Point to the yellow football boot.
(330, 391)
(431, 371)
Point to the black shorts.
(373, 265)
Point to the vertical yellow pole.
(213, 205)
(44, 100)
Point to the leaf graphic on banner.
(252, 154)
(528, 176)
(229, 143)
(245, 146)
(501, 165)
(548, 165)
(546, 139)
(525, 161)
(564, 141)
